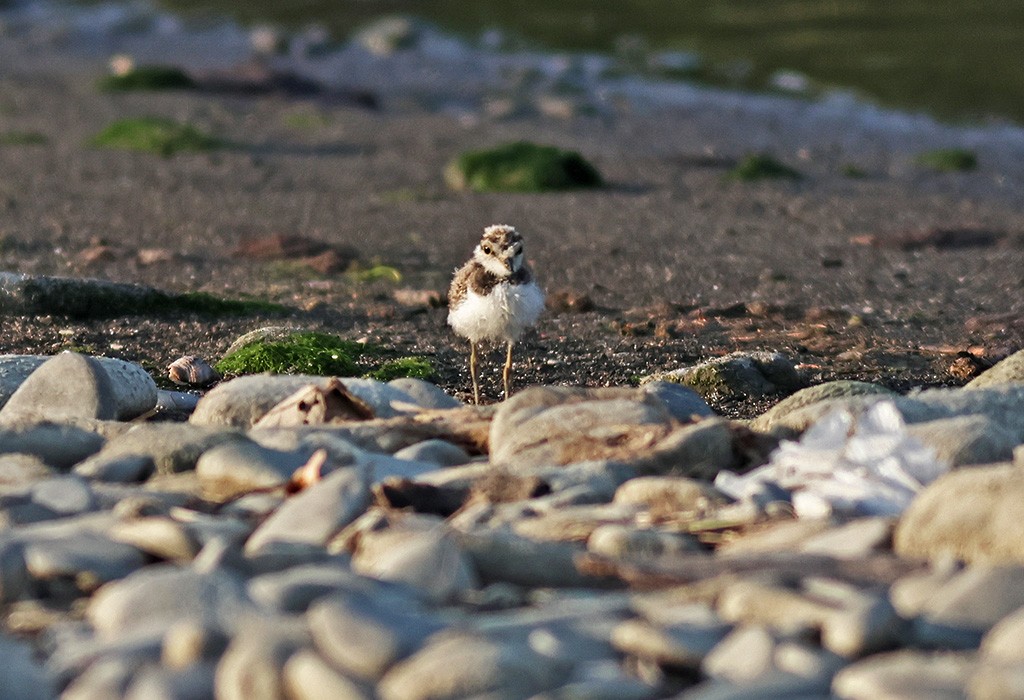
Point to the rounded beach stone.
(976, 515)
(189, 642)
(559, 425)
(21, 678)
(425, 394)
(427, 558)
(739, 374)
(437, 452)
(312, 516)
(995, 681)
(1005, 641)
(308, 677)
(680, 646)
(870, 626)
(162, 448)
(484, 665)
(78, 386)
(681, 401)
(296, 588)
(239, 466)
(242, 401)
(625, 542)
(252, 668)
(906, 674)
(86, 557)
(158, 596)
(857, 538)
(59, 445)
(160, 537)
(67, 495)
(777, 415)
(1007, 370)
(745, 654)
(960, 612)
(963, 440)
(364, 636)
(152, 682)
(675, 495)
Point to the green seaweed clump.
(521, 167)
(320, 354)
(949, 160)
(760, 166)
(156, 135)
(416, 367)
(23, 138)
(147, 78)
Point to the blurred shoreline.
(409, 65)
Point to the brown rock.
(976, 515)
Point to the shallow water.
(955, 60)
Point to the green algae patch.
(415, 367)
(321, 354)
(760, 166)
(375, 273)
(92, 298)
(949, 160)
(155, 135)
(23, 138)
(205, 303)
(147, 78)
(521, 167)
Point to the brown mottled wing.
(460, 283)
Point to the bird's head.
(500, 251)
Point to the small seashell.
(121, 64)
(192, 370)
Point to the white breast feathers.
(501, 315)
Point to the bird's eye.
(487, 249)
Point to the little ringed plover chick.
(493, 297)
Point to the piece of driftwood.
(317, 405)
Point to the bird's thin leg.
(508, 370)
(472, 372)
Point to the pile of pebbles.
(309, 537)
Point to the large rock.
(960, 612)
(556, 425)
(422, 554)
(965, 440)
(905, 674)
(457, 665)
(60, 445)
(776, 416)
(364, 636)
(252, 667)
(308, 677)
(78, 386)
(159, 596)
(316, 513)
(740, 374)
(976, 515)
(161, 448)
(240, 466)
(1010, 369)
(241, 402)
